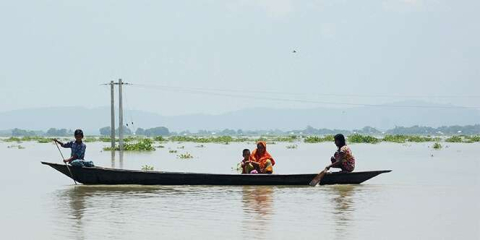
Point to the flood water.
(430, 194)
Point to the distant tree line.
(105, 131)
(16, 132)
(309, 130)
(150, 132)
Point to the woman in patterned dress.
(343, 157)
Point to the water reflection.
(343, 200)
(77, 205)
(258, 208)
(121, 159)
(71, 208)
(113, 156)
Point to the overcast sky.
(57, 53)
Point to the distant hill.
(384, 117)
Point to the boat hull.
(111, 176)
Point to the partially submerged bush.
(13, 139)
(471, 139)
(357, 138)
(219, 139)
(185, 156)
(16, 146)
(142, 145)
(147, 168)
(44, 140)
(317, 139)
(406, 138)
(454, 139)
(159, 139)
(437, 145)
(291, 138)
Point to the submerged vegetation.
(185, 156)
(219, 139)
(357, 138)
(437, 145)
(471, 139)
(16, 146)
(317, 139)
(147, 168)
(454, 139)
(409, 138)
(145, 144)
(142, 143)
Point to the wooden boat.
(112, 176)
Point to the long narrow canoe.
(112, 176)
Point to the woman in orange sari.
(261, 159)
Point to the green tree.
(157, 131)
(105, 131)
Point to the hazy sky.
(57, 53)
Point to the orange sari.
(261, 158)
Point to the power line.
(214, 93)
(303, 94)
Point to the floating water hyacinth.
(147, 168)
(185, 156)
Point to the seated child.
(248, 167)
(77, 157)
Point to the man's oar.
(65, 163)
(318, 178)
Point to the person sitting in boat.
(261, 157)
(343, 157)
(248, 166)
(77, 156)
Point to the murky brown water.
(425, 197)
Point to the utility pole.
(112, 115)
(120, 115)
(120, 84)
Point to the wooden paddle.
(65, 162)
(318, 178)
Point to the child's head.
(78, 134)
(246, 153)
